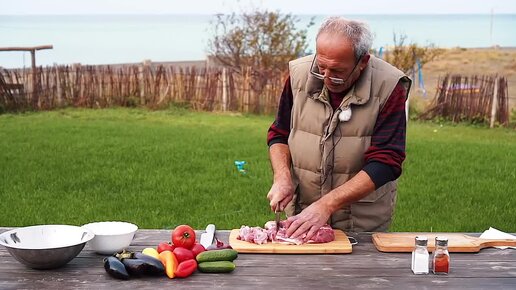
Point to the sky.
(320, 7)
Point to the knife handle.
(210, 229)
(278, 209)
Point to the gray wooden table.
(364, 268)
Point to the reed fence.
(458, 98)
(476, 99)
(153, 86)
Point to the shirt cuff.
(277, 140)
(380, 173)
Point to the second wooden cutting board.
(404, 242)
(341, 245)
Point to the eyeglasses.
(335, 81)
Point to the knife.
(207, 237)
(278, 216)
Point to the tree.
(405, 57)
(262, 40)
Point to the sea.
(113, 39)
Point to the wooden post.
(248, 90)
(143, 75)
(73, 82)
(494, 103)
(100, 84)
(224, 90)
(82, 85)
(34, 88)
(58, 85)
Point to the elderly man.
(338, 141)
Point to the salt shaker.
(441, 257)
(420, 256)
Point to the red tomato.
(197, 249)
(183, 254)
(164, 246)
(186, 268)
(183, 236)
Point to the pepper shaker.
(441, 257)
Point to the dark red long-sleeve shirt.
(386, 153)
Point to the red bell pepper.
(186, 268)
(197, 249)
(183, 254)
(164, 246)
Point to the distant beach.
(113, 39)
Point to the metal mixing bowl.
(45, 246)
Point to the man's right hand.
(282, 192)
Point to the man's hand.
(309, 221)
(317, 214)
(282, 192)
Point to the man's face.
(336, 59)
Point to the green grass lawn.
(159, 169)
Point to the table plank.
(365, 267)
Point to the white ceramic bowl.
(111, 237)
(45, 246)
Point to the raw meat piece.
(280, 236)
(259, 236)
(323, 235)
(255, 235)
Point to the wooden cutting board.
(341, 245)
(404, 242)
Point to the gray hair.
(356, 31)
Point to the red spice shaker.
(441, 257)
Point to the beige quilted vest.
(321, 145)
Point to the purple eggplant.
(115, 268)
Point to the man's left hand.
(309, 221)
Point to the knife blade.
(207, 237)
(278, 216)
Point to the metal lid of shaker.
(441, 241)
(421, 241)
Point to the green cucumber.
(216, 267)
(217, 255)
